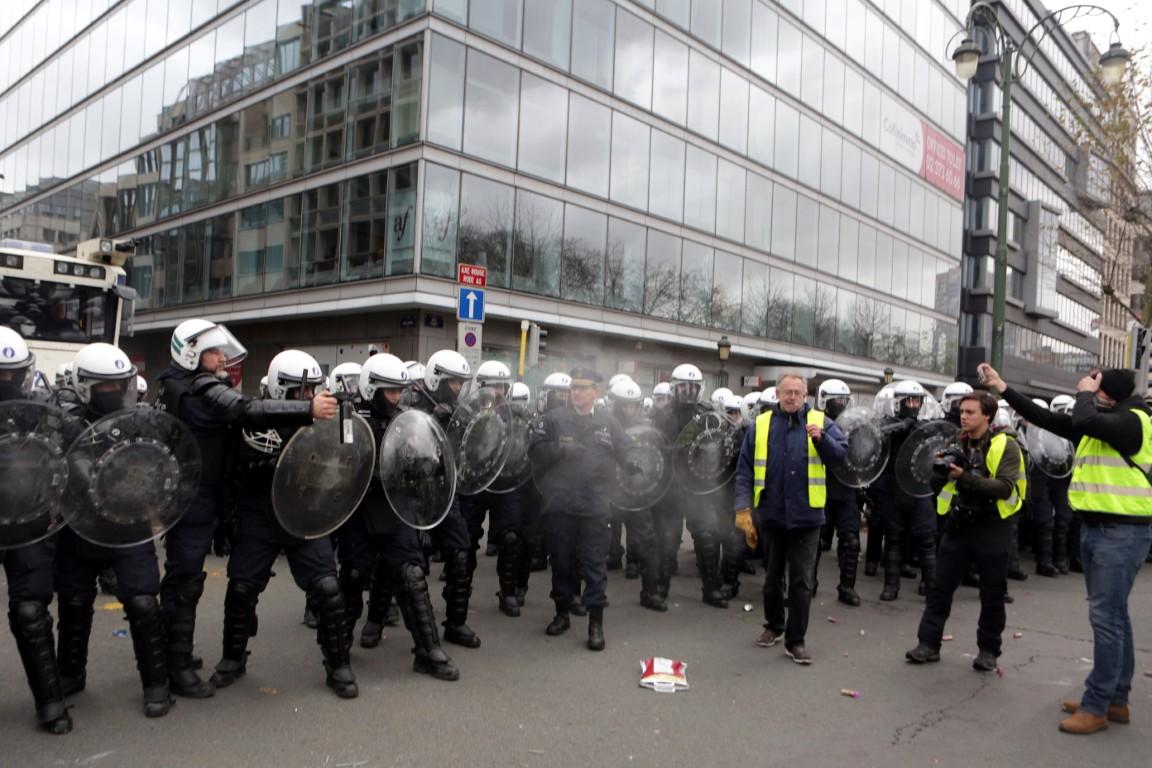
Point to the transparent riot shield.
(867, 447)
(705, 453)
(918, 454)
(417, 469)
(34, 440)
(651, 470)
(480, 432)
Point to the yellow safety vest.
(817, 474)
(1102, 481)
(1006, 507)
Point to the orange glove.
(744, 523)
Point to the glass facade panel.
(366, 227)
(543, 127)
(765, 23)
(784, 222)
(629, 178)
(633, 69)
(446, 92)
(703, 95)
(670, 79)
(497, 18)
(700, 189)
(758, 213)
(441, 220)
(807, 230)
(624, 266)
(831, 172)
(810, 145)
(666, 185)
(401, 256)
(737, 27)
(320, 236)
(537, 244)
(486, 218)
(696, 284)
(761, 126)
(787, 139)
(730, 203)
(589, 139)
(754, 302)
(727, 287)
(733, 111)
(547, 30)
(593, 32)
(491, 103)
(779, 304)
(706, 21)
(582, 255)
(789, 58)
(662, 276)
(849, 246)
(829, 240)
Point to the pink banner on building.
(943, 164)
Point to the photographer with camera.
(980, 485)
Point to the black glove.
(443, 411)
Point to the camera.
(950, 455)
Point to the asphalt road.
(525, 699)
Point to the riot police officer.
(192, 390)
(661, 395)
(106, 382)
(950, 402)
(292, 375)
(554, 393)
(29, 569)
(843, 511)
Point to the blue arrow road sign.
(470, 304)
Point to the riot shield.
(867, 447)
(518, 468)
(131, 477)
(417, 469)
(705, 453)
(918, 453)
(322, 475)
(632, 490)
(480, 434)
(34, 440)
(1051, 454)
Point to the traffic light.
(1140, 355)
(537, 345)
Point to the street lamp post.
(724, 350)
(966, 57)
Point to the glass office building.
(640, 178)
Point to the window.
(696, 284)
(727, 286)
(446, 93)
(624, 266)
(441, 213)
(703, 95)
(787, 139)
(543, 127)
(670, 79)
(281, 126)
(497, 18)
(730, 184)
(758, 213)
(829, 249)
(734, 111)
(633, 70)
(547, 25)
(700, 189)
(754, 302)
(582, 255)
(764, 32)
(662, 276)
(810, 144)
(491, 103)
(666, 182)
(706, 21)
(784, 222)
(366, 227)
(486, 216)
(592, 41)
(761, 126)
(537, 243)
(629, 177)
(589, 138)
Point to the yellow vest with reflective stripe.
(1102, 481)
(1006, 507)
(817, 474)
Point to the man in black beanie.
(1111, 491)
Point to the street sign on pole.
(470, 304)
(469, 339)
(470, 274)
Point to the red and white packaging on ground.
(663, 675)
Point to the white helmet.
(768, 397)
(1062, 404)
(733, 404)
(290, 369)
(687, 382)
(141, 386)
(1041, 403)
(346, 378)
(953, 392)
(98, 363)
(415, 370)
(15, 356)
(625, 391)
(908, 388)
(648, 404)
(443, 365)
(751, 400)
(558, 380)
(382, 371)
(663, 389)
(616, 378)
(64, 374)
(1004, 417)
(493, 373)
(263, 387)
(719, 395)
(192, 337)
(520, 393)
(833, 389)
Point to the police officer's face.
(455, 385)
(584, 396)
(973, 422)
(212, 360)
(392, 395)
(791, 393)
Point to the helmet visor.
(221, 339)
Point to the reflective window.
(730, 184)
(900, 199)
(666, 182)
(737, 27)
(761, 126)
(536, 243)
(885, 193)
(871, 127)
(824, 316)
(787, 139)
(676, 11)
(366, 228)
(727, 286)
(629, 178)
(320, 236)
(589, 138)
(810, 145)
(790, 58)
(401, 255)
(486, 213)
(883, 263)
(784, 222)
(490, 109)
(764, 32)
(497, 18)
(830, 166)
(778, 304)
(812, 87)
(633, 71)
(670, 79)
(834, 21)
(849, 247)
(703, 94)
(706, 21)
(582, 255)
(547, 25)
(662, 276)
(592, 41)
(624, 266)
(453, 9)
(869, 179)
(754, 302)
(916, 211)
(696, 284)
(758, 213)
(866, 266)
(807, 230)
(853, 101)
(733, 111)
(833, 88)
(700, 189)
(325, 126)
(156, 26)
(850, 178)
(441, 214)
(803, 317)
(446, 92)
(543, 127)
(829, 250)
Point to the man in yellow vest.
(780, 493)
(978, 492)
(1111, 493)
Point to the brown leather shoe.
(1117, 713)
(1083, 723)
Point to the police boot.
(73, 630)
(380, 608)
(327, 600)
(596, 628)
(457, 591)
(848, 555)
(523, 573)
(708, 562)
(151, 654)
(419, 618)
(826, 534)
(664, 575)
(1060, 549)
(32, 627)
(309, 619)
(560, 623)
(1043, 546)
(178, 606)
(352, 584)
(239, 625)
(507, 569)
(891, 589)
(874, 551)
(650, 595)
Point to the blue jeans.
(1111, 554)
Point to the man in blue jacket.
(781, 492)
